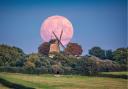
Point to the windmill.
(48, 32)
(55, 43)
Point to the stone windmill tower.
(55, 43)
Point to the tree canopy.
(15, 60)
(73, 49)
(97, 51)
(121, 55)
(9, 55)
(44, 48)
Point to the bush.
(63, 64)
(67, 70)
(40, 70)
(12, 69)
(9, 55)
(56, 69)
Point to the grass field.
(48, 81)
(116, 73)
(3, 87)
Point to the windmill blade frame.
(58, 40)
(61, 34)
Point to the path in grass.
(65, 81)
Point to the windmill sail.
(59, 41)
(61, 34)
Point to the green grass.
(116, 73)
(3, 87)
(48, 81)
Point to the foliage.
(97, 51)
(109, 54)
(57, 69)
(90, 66)
(30, 70)
(105, 65)
(120, 55)
(32, 61)
(29, 65)
(20, 63)
(44, 48)
(61, 63)
(9, 55)
(73, 49)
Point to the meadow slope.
(48, 81)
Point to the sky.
(100, 23)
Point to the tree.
(73, 49)
(44, 48)
(9, 55)
(108, 54)
(98, 52)
(120, 55)
(20, 63)
(33, 60)
(19, 50)
(33, 57)
(29, 65)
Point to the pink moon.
(56, 24)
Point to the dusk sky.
(100, 23)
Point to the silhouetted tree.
(121, 55)
(108, 54)
(73, 49)
(44, 48)
(98, 52)
(9, 55)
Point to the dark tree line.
(119, 55)
(13, 59)
(10, 55)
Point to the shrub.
(67, 70)
(9, 55)
(56, 69)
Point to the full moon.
(56, 24)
